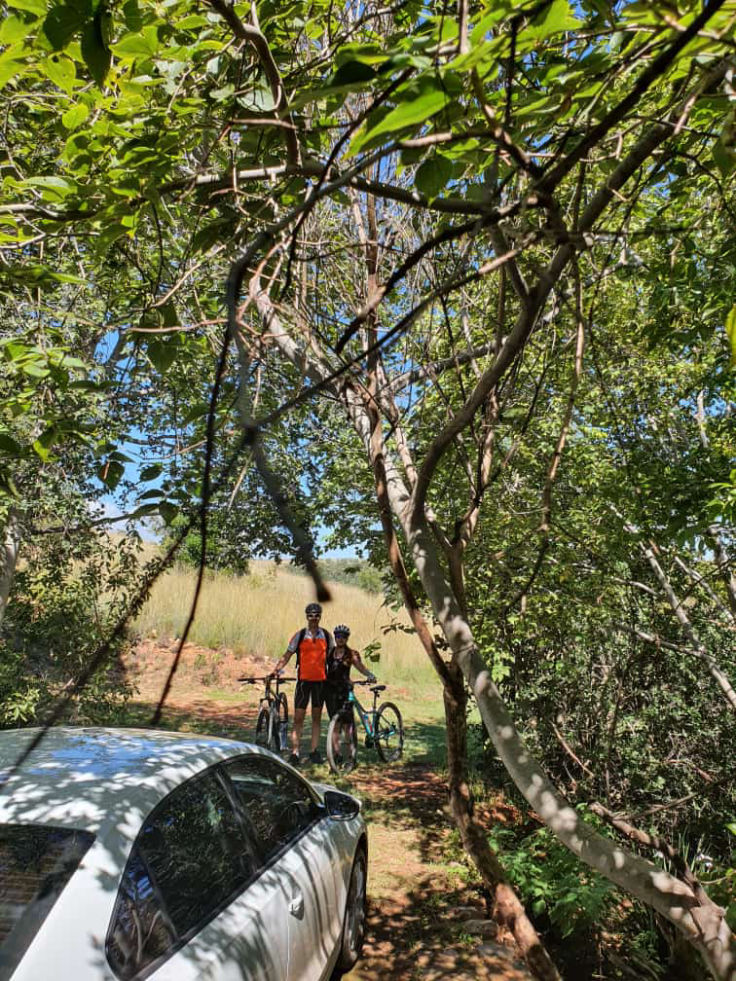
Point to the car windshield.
(36, 863)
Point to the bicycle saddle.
(378, 688)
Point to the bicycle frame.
(368, 718)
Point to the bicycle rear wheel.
(342, 744)
(279, 724)
(389, 735)
(263, 724)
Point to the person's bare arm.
(282, 662)
(358, 663)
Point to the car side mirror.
(341, 807)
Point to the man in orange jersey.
(312, 645)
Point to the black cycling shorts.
(335, 697)
(309, 690)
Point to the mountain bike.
(384, 731)
(272, 724)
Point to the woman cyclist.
(339, 662)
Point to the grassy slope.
(257, 614)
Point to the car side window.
(278, 803)
(192, 855)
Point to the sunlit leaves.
(731, 333)
(553, 19)
(75, 116)
(421, 102)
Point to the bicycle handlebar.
(268, 677)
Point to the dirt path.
(420, 894)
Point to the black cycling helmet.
(313, 610)
(341, 630)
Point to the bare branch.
(254, 36)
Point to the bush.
(552, 882)
(63, 606)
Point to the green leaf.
(487, 23)
(209, 234)
(191, 21)
(169, 315)
(162, 353)
(37, 7)
(61, 71)
(152, 471)
(409, 113)
(196, 412)
(555, 18)
(168, 511)
(95, 51)
(34, 370)
(143, 45)
(15, 350)
(731, 333)
(433, 175)
(53, 188)
(724, 157)
(367, 54)
(9, 66)
(75, 116)
(41, 451)
(48, 437)
(15, 29)
(68, 361)
(109, 234)
(132, 15)
(61, 24)
(9, 447)
(110, 473)
(350, 73)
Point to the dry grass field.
(257, 614)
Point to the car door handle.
(296, 906)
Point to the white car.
(132, 854)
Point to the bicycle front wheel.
(263, 724)
(342, 744)
(389, 735)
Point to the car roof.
(87, 778)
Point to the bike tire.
(342, 745)
(279, 712)
(282, 713)
(389, 734)
(263, 726)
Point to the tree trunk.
(8, 559)
(507, 908)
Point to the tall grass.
(257, 614)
